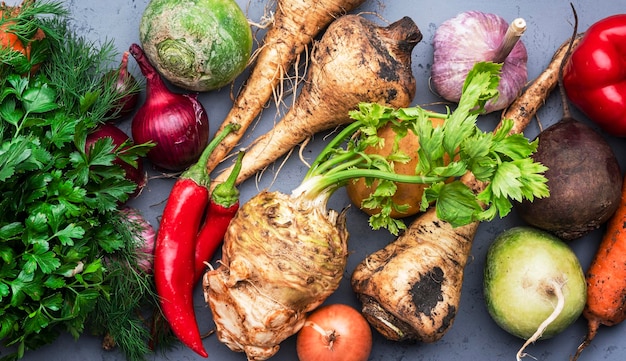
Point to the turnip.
(534, 285)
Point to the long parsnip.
(411, 289)
(295, 24)
(354, 62)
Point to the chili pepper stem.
(223, 206)
(198, 172)
(226, 194)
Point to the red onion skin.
(472, 37)
(124, 81)
(145, 236)
(137, 175)
(177, 123)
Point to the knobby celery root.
(267, 282)
(411, 289)
(295, 24)
(355, 61)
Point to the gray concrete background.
(474, 336)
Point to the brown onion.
(177, 123)
(472, 37)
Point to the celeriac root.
(410, 289)
(280, 259)
(296, 23)
(355, 61)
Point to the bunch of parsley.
(67, 258)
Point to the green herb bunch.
(67, 257)
(458, 146)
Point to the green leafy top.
(61, 233)
(498, 158)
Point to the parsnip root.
(355, 61)
(295, 24)
(410, 289)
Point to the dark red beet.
(584, 179)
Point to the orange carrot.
(295, 25)
(606, 278)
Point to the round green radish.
(534, 284)
(198, 45)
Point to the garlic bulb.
(474, 36)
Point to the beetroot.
(584, 179)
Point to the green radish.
(199, 45)
(534, 285)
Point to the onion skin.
(334, 332)
(177, 123)
(124, 83)
(472, 37)
(137, 175)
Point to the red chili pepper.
(223, 205)
(594, 77)
(175, 248)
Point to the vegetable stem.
(198, 171)
(514, 32)
(226, 194)
(314, 186)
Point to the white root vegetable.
(281, 258)
(355, 61)
(295, 24)
(410, 289)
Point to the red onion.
(133, 174)
(472, 37)
(125, 84)
(177, 123)
(145, 235)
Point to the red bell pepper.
(594, 77)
